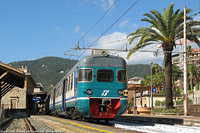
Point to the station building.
(17, 97)
(17, 89)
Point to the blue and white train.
(96, 87)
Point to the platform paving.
(162, 119)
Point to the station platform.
(162, 119)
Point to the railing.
(193, 109)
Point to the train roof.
(96, 61)
(102, 61)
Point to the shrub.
(159, 103)
(165, 110)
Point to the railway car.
(96, 88)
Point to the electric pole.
(185, 66)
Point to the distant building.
(141, 95)
(135, 80)
(37, 97)
(194, 57)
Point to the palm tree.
(193, 73)
(157, 77)
(165, 29)
(156, 68)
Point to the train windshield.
(85, 75)
(121, 75)
(105, 75)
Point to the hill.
(49, 70)
(140, 70)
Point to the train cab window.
(85, 75)
(105, 75)
(121, 75)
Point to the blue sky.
(32, 29)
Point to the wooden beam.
(5, 88)
(3, 75)
(3, 85)
(0, 96)
(11, 69)
(5, 92)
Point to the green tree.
(157, 77)
(193, 74)
(165, 29)
(156, 68)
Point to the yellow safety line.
(84, 126)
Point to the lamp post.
(151, 63)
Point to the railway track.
(24, 124)
(29, 126)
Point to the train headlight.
(120, 92)
(125, 92)
(89, 91)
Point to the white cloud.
(77, 29)
(136, 58)
(134, 25)
(124, 23)
(127, 24)
(197, 17)
(69, 6)
(118, 40)
(104, 4)
(142, 57)
(58, 28)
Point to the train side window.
(60, 90)
(121, 75)
(72, 81)
(69, 84)
(85, 75)
(105, 75)
(66, 84)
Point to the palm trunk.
(191, 81)
(168, 80)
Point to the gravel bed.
(39, 126)
(16, 125)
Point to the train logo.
(105, 92)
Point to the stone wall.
(15, 98)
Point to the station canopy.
(9, 78)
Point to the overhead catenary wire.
(111, 42)
(98, 20)
(110, 26)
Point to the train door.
(64, 94)
(54, 97)
(75, 84)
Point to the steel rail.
(30, 127)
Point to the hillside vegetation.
(49, 70)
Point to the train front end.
(102, 87)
